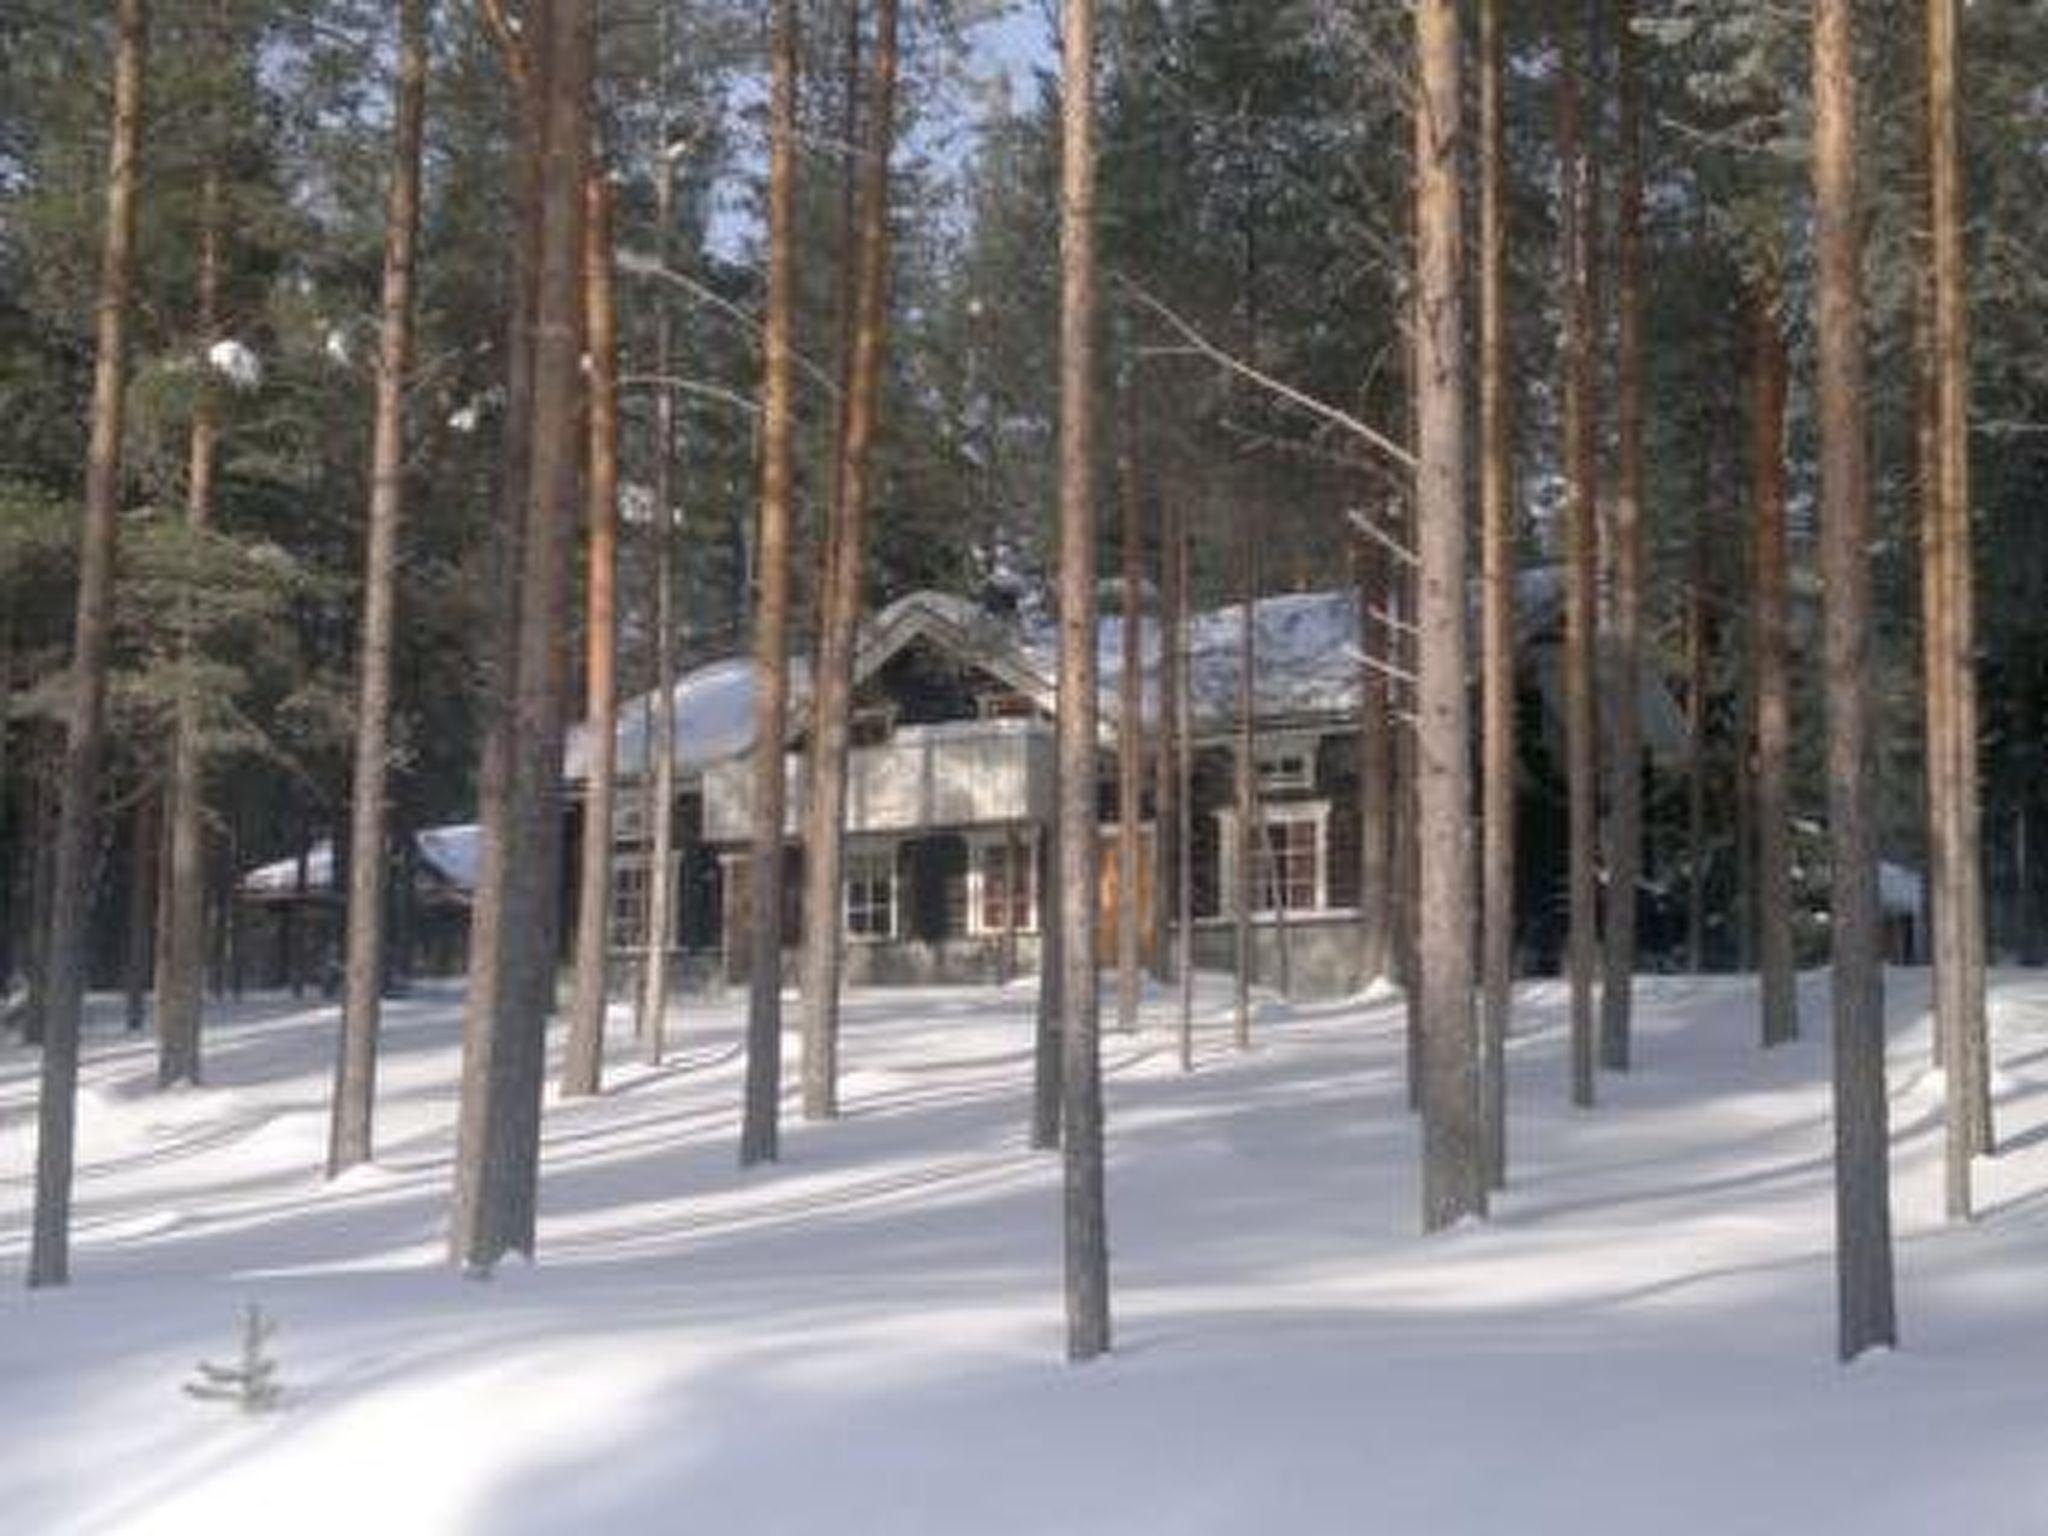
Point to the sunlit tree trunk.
(832, 695)
(1243, 848)
(1497, 572)
(1085, 1222)
(1454, 1142)
(760, 1128)
(1130, 766)
(349, 1130)
(1861, 1108)
(85, 722)
(583, 1061)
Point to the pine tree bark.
(1454, 1179)
(349, 1133)
(1130, 752)
(501, 1110)
(1625, 770)
(1184, 787)
(1245, 791)
(1861, 1109)
(1086, 1224)
(583, 1060)
(1167, 848)
(1958, 907)
(1771, 689)
(1581, 541)
(1376, 781)
(144, 839)
(181, 967)
(85, 723)
(760, 1129)
(659, 770)
(1497, 579)
(832, 694)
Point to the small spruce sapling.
(252, 1383)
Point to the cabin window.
(1287, 763)
(872, 726)
(871, 893)
(1003, 886)
(1288, 868)
(631, 893)
(1007, 706)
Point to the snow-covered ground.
(867, 1337)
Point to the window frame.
(872, 856)
(1314, 814)
(980, 843)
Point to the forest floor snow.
(867, 1337)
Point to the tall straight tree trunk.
(1246, 789)
(1130, 750)
(181, 968)
(145, 837)
(1184, 786)
(1087, 1240)
(1453, 1135)
(1376, 781)
(1959, 901)
(499, 1135)
(349, 1138)
(759, 1130)
(583, 1062)
(1581, 456)
(1625, 771)
(658, 769)
(1167, 847)
(832, 694)
(1497, 567)
(1770, 596)
(1046, 1053)
(85, 724)
(472, 1242)
(1861, 1109)
(1696, 672)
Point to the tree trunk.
(1581, 539)
(1376, 780)
(1625, 771)
(1184, 787)
(355, 1083)
(1130, 751)
(839, 629)
(659, 770)
(1246, 788)
(502, 1081)
(1046, 1052)
(1167, 847)
(583, 1062)
(1497, 559)
(1696, 671)
(1454, 1141)
(1952, 748)
(181, 968)
(1087, 1241)
(1771, 689)
(144, 839)
(56, 1124)
(1861, 1108)
(759, 1131)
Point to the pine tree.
(349, 1136)
(1862, 1138)
(1086, 1223)
(85, 724)
(759, 1130)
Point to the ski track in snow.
(867, 1337)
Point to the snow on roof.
(451, 854)
(1306, 660)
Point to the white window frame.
(869, 856)
(1314, 813)
(1285, 762)
(977, 844)
(625, 866)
